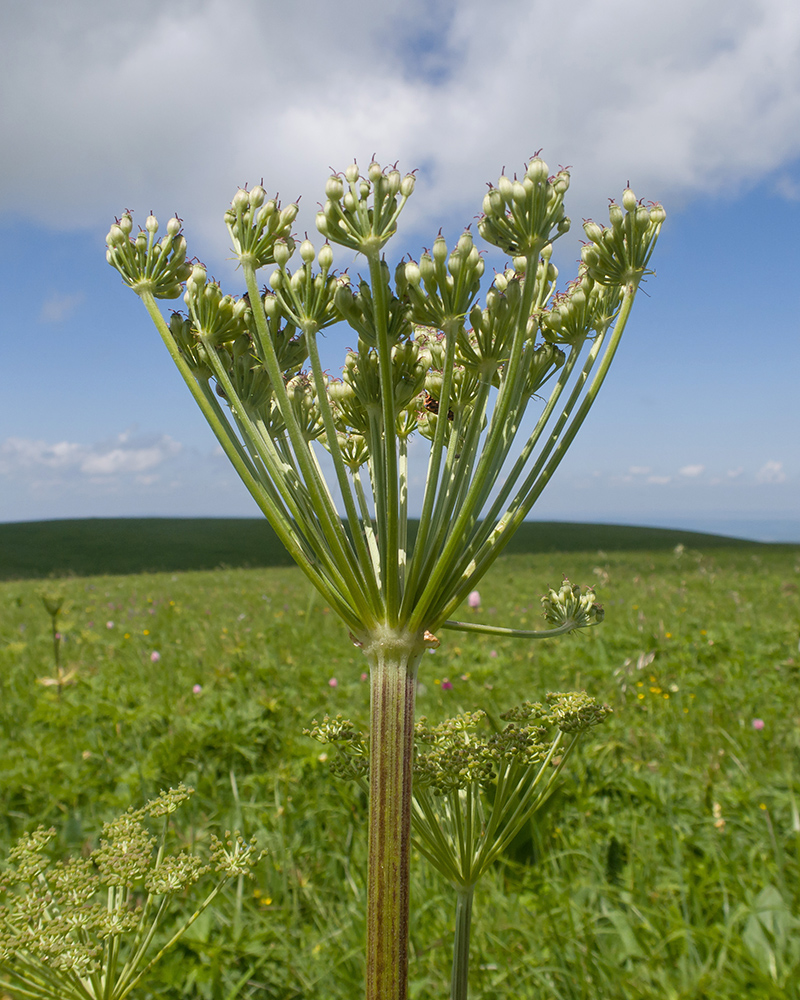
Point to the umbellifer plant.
(474, 788)
(85, 928)
(429, 359)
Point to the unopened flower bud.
(628, 200)
(258, 196)
(151, 224)
(198, 275)
(537, 170)
(505, 187)
(413, 275)
(518, 192)
(325, 257)
(407, 185)
(282, 253)
(394, 180)
(174, 226)
(440, 250)
(322, 223)
(374, 172)
(126, 224)
(307, 251)
(593, 231)
(657, 214)
(334, 188)
(615, 214)
(240, 200)
(288, 215)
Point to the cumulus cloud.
(692, 471)
(771, 472)
(170, 106)
(127, 455)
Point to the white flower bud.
(593, 231)
(174, 226)
(351, 173)
(288, 215)
(407, 185)
(657, 214)
(282, 253)
(629, 200)
(505, 187)
(322, 224)
(374, 172)
(307, 251)
(240, 200)
(151, 224)
(537, 170)
(334, 188)
(440, 249)
(257, 196)
(413, 275)
(325, 257)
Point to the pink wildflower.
(155, 657)
(474, 600)
(197, 689)
(109, 624)
(758, 723)
(493, 654)
(447, 685)
(333, 682)
(364, 677)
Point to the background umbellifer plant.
(85, 928)
(429, 359)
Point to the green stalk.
(389, 486)
(339, 466)
(323, 505)
(393, 659)
(233, 449)
(495, 448)
(459, 980)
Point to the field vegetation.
(667, 865)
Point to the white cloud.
(771, 472)
(735, 473)
(56, 308)
(21, 458)
(659, 480)
(692, 471)
(170, 106)
(639, 470)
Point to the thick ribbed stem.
(393, 667)
(459, 983)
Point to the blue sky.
(171, 106)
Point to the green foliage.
(665, 864)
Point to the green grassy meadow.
(668, 864)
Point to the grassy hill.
(92, 546)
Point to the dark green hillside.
(133, 545)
